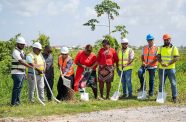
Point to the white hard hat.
(37, 45)
(125, 40)
(20, 40)
(64, 50)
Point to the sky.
(62, 20)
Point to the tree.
(109, 8)
(43, 39)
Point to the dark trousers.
(18, 83)
(62, 89)
(50, 83)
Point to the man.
(49, 71)
(167, 56)
(18, 70)
(149, 63)
(126, 57)
(36, 59)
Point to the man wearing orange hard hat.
(167, 57)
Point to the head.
(124, 43)
(150, 40)
(106, 44)
(167, 39)
(37, 48)
(64, 52)
(47, 50)
(20, 42)
(88, 49)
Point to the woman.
(65, 64)
(106, 58)
(86, 59)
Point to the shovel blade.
(115, 96)
(142, 95)
(160, 98)
(84, 96)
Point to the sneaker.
(100, 98)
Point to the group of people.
(41, 69)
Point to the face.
(36, 51)
(167, 42)
(150, 42)
(20, 46)
(47, 51)
(124, 45)
(64, 55)
(105, 45)
(88, 50)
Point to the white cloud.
(72, 6)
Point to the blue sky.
(62, 20)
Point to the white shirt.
(17, 56)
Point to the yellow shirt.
(167, 54)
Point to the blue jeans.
(172, 78)
(18, 83)
(126, 82)
(141, 72)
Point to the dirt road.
(141, 114)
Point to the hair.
(106, 41)
(88, 46)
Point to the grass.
(29, 110)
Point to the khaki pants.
(31, 87)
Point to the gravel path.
(141, 114)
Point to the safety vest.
(149, 55)
(16, 64)
(63, 65)
(39, 62)
(167, 54)
(124, 59)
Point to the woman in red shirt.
(106, 58)
(86, 59)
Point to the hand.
(144, 65)
(83, 66)
(164, 65)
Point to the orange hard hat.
(166, 36)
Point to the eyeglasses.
(166, 40)
(124, 43)
(63, 54)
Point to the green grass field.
(27, 109)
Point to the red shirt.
(87, 60)
(107, 57)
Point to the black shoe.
(174, 99)
(123, 96)
(140, 89)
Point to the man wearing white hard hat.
(36, 59)
(124, 68)
(18, 69)
(65, 64)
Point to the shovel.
(50, 89)
(116, 94)
(142, 94)
(162, 95)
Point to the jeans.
(141, 72)
(126, 82)
(172, 78)
(18, 83)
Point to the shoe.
(140, 89)
(130, 96)
(123, 96)
(100, 98)
(174, 99)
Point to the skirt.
(106, 73)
